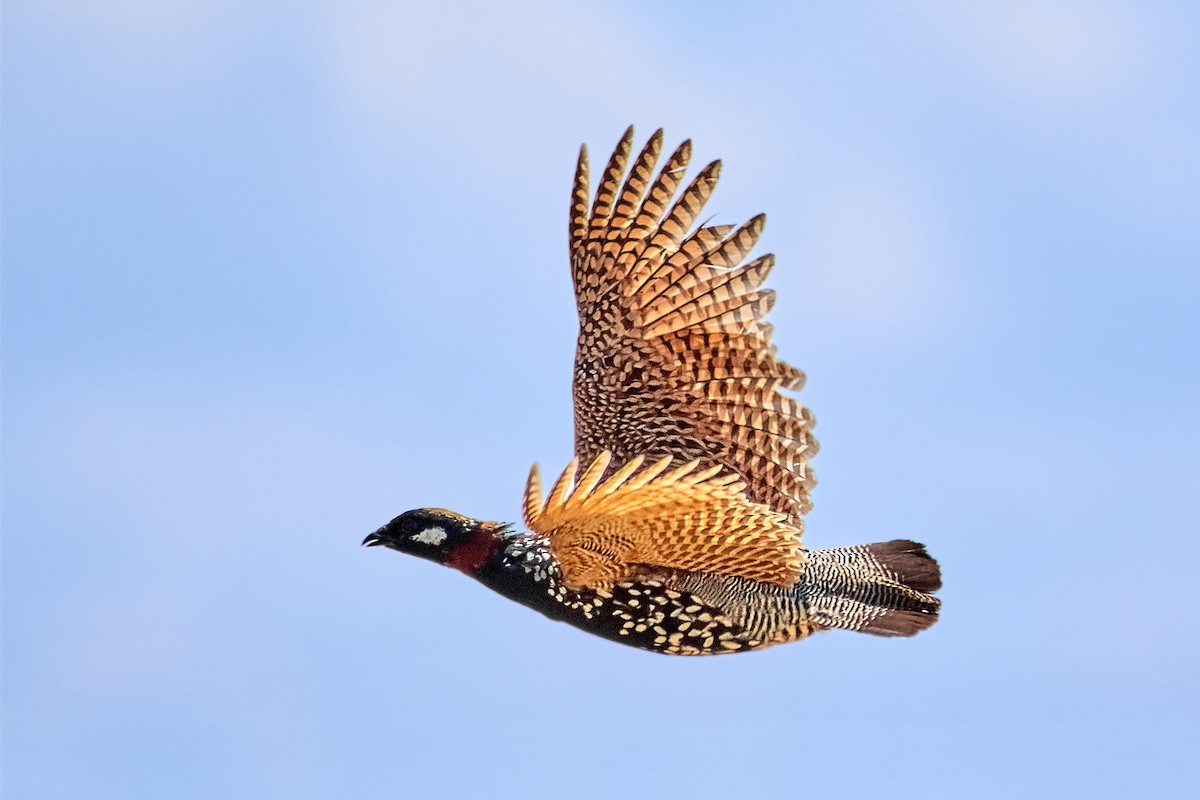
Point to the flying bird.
(682, 534)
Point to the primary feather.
(673, 356)
(685, 519)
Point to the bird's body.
(670, 611)
(683, 535)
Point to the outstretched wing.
(684, 519)
(673, 357)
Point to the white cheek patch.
(432, 535)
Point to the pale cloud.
(479, 83)
(1063, 52)
(1095, 88)
(169, 33)
(884, 252)
(447, 68)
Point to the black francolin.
(683, 534)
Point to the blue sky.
(276, 272)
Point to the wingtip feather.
(561, 490)
(532, 506)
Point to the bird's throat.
(470, 556)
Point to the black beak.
(372, 540)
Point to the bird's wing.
(673, 357)
(686, 519)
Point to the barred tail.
(885, 589)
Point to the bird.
(683, 533)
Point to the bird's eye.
(410, 526)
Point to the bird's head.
(442, 536)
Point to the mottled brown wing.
(673, 357)
(685, 519)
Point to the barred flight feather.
(688, 518)
(674, 357)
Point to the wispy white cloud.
(172, 37)
(881, 251)
(136, 20)
(1090, 89)
(1063, 53)
(484, 82)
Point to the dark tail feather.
(908, 563)
(885, 589)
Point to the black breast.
(650, 614)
